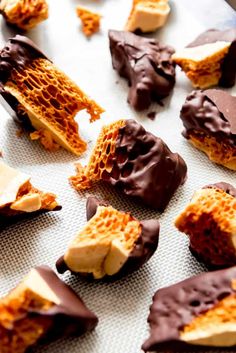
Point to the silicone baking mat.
(122, 306)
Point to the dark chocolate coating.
(11, 217)
(92, 205)
(146, 64)
(144, 167)
(226, 105)
(176, 306)
(144, 247)
(17, 53)
(228, 66)
(71, 316)
(228, 188)
(201, 114)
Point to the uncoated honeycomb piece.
(24, 14)
(147, 15)
(210, 222)
(218, 152)
(18, 197)
(101, 159)
(90, 20)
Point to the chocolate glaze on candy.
(92, 205)
(228, 188)
(11, 217)
(17, 53)
(228, 66)
(146, 64)
(210, 112)
(176, 306)
(71, 316)
(144, 248)
(144, 167)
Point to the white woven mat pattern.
(123, 306)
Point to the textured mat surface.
(123, 306)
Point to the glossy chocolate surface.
(212, 113)
(144, 247)
(144, 167)
(92, 205)
(70, 316)
(228, 66)
(17, 53)
(146, 64)
(10, 217)
(176, 306)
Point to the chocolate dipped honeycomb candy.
(210, 125)
(44, 99)
(148, 15)
(90, 20)
(19, 198)
(199, 311)
(113, 243)
(146, 64)
(41, 308)
(210, 222)
(24, 14)
(138, 163)
(210, 59)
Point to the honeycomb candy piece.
(90, 20)
(218, 152)
(19, 198)
(101, 159)
(43, 97)
(137, 162)
(148, 15)
(41, 308)
(199, 311)
(113, 243)
(147, 66)
(210, 125)
(24, 14)
(210, 222)
(210, 59)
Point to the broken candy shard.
(44, 99)
(147, 15)
(138, 163)
(210, 124)
(146, 64)
(41, 308)
(209, 221)
(24, 14)
(210, 59)
(19, 198)
(113, 243)
(199, 311)
(90, 20)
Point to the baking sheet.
(122, 306)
